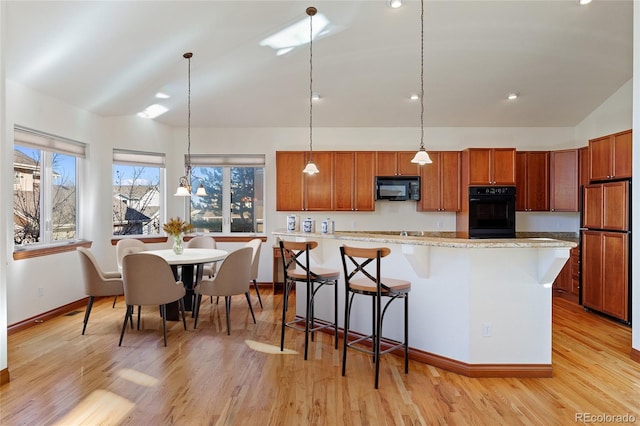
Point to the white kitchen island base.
(476, 307)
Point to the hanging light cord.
(311, 11)
(422, 76)
(188, 165)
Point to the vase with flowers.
(176, 228)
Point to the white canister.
(293, 224)
(308, 225)
(327, 226)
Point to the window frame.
(135, 158)
(226, 162)
(48, 145)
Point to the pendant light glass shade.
(311, 168)
(421, 157)
(182, 191)
(201, 192)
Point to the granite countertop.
(448, 239)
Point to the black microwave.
(398, 188)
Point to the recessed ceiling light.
(315, 96)
(394, 4)
(414, 97)
(153, 111)
(161, 95)
(512, 96)
(583, 2)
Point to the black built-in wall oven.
(492, 212)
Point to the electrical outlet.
(486, 329)
(40, 291)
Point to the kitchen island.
(478, 307)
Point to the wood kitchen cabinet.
(440, 182)
(532, 181)
(489, 166)
(605, 276)
(610, 157)
(396, 163)
(567, 284)
(290, 180)
(354, 180)
(606, 206)
(296, 191)
(563, 181)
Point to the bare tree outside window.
(136, 200)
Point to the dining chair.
(149, 280)
(231, 279)
(124, 247)
(358, 264)
(97, 283)
(297, 268)
(203, 241)
(255, 244)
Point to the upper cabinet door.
(319, 187)
(405, 166)
(504, 166)
(564, 177)
(450, 175)
(622, 155)
(343, 190)
(365, 167)
(396, 163)
(290, 180)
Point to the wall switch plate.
(486, 329)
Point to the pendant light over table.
(311, 167)
(184, 187)
(421, 157)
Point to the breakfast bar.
(481, 313)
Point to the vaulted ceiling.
(112, 57)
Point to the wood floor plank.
(204, 377)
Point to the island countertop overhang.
(437, 239)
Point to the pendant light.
(421, 156)
(311, 167)
(184, 187)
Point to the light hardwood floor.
(205, 377)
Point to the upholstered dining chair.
(126, 246)
(204, 241)
(362, 276)
(255, 244)
(296, 261)
(97, 283)
(149, 280)
(231, 279)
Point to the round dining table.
(189, 258)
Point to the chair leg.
(115, 299)
(181, 305)
(335, 312)
(87, 313)
(227, 303)
(255, 285)
(163, 310)
(197, 310)
(347, 311)
(127, 316)
(285, 296)
(406, 334)
(250, 307)
(139, 309)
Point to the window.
(45, 188)
(137, 193)
(235, 193)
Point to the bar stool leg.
(406, 334)
(307, 319)
(335, 312)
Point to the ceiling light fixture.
(583, 2)
(311, 168)
(394, 4)
(421, 157)
(153, 111)
(184, 187)
(512, 96)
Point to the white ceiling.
(111, 58)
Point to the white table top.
(190, 256)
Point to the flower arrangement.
(176, 227)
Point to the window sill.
(28, 253)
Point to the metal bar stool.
(296, 263)
(361, 281)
